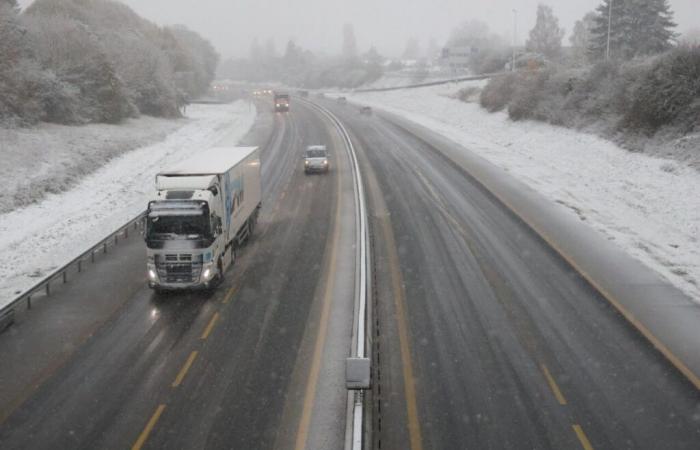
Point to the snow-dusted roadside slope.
(38, 238)
(51, 158)
(648, 206)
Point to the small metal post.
(80, 265)
(116, 239)
(48, 288)
(29, 302)
(126, 233)
(92, 255)
(104, 246)
(65, 278)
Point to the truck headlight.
(207, 271)
(151, 272)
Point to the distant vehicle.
(316, 159)
(321, 95)
(366, 110)
(342, 100)
(203, 209)
(304, 94)
(281, 102)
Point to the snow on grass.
(648, 206)
(52, 158)
(36, 239)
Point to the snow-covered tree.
(637, 28)
(545, 38)
(581, 37)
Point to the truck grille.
(179, 268)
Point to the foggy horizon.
(233, 28)
(375, 23)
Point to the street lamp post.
(607, 50)
(515, 38)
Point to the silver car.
(316, 159)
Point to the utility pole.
(607, 50)
(515, 38)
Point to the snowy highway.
(481, 335)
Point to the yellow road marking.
(210, 327)
(553, 385)
(149, 427)
(585, 443)
(414, 430)
(310, 393)
(185, 368)
(230, 294)
(660, 346)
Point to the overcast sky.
(316, 24)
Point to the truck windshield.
(179, 227)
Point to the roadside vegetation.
(646, 85)
(77, 61)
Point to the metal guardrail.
(61, 274)
(359, 347)
(432, 83)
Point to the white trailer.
(204, 208)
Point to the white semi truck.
(202, 211)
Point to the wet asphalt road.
(483, 336)
(205, 370)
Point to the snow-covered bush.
(636, 97)
(667, 94)
(498, 92)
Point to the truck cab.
(281, 102)
(200, 213)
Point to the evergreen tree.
(637, 28)
(653, 31)
(546, 36)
